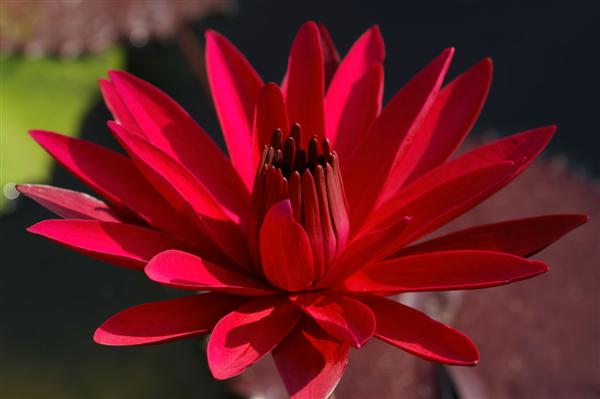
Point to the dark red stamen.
(311, 180)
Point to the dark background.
(51, 300)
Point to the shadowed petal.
(286, 254)
(520, 148)
(117, 108)
(116, 178)
(304, 89)
(119, 243)
(183, 270)
(166, 320)
(174, 181)
(331, 56)
(270, 114)
(247, 334)
(438, 271)
(388, 140)
(70, 204)
(234, 85)
(522, 237)
(343, 317)
(353, 99)
(416, 333)
(444, 202)
(365, 249)
(452, 116)
(310, 362)
(187, 194)
(169, 127)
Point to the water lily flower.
(298, 239)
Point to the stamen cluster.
(310, 178)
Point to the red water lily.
(304, 232)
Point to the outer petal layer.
(116, 178)
(440, 204)
(70, 204)
(522, 237)
(249, 333)
(452, 116)
(183, 270)
(165, 320)
(343, 317)
(416, 333)
(353, 99)
(438, 271)
(169, 127)
(520, 148)
(119, 243)
(389, 139)
(234, 85)
(187, 193)
(310, 362)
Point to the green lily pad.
(46, 93)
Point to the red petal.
(389, 139)
(365, 249)
(270, 114)
(169, 127)
(312, 222)
(331, 56)
(114, 177)
(452, 270)
(183, 270)
(122, 244)
(416, 333)
(287, 258)
(522, 237)
(116, 106)
(186, 193)
(453, 114)
(310, 362)
(249, 333)
(353, 99)
(345, 318)
(520, 148)
(305, 81)
(174, 181)
(70, 204)
(448, 200)
(165, 320)
(234, 85)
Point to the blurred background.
(538, 339)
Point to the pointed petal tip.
(537, 268)
(22, 187)
(310, 24)
(377, 37)
(469, 359)
(211, 35)
(38, 135)
(38, 227)
(100, 337)
(488, 62)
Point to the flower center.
(310, 178)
